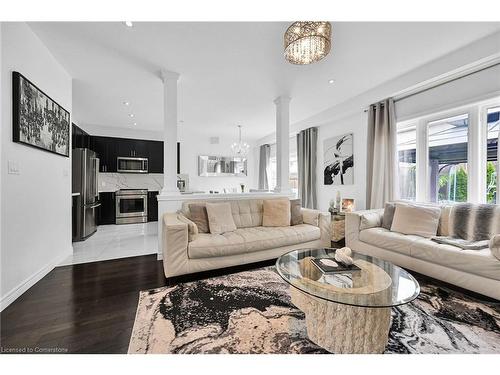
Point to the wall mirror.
(209, 166)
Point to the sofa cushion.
(263, 238)
(389, 210)
(220, 219)
(247, 240)
(246, 212)
(418, 220)
(208, 245)
(198, 215)
(276, 213)
(386, 239)
(478, 262)
(296, 212)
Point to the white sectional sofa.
(186, 251)
(476, 270)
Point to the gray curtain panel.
(265, 153)
(307, 141)
(381, 165)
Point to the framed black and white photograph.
(338, 159)
(38, 121)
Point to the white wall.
(355, 124)
(36, 203)
(113, 131)
(193, 145)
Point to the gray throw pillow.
(198, 215)
(389, 210)
(296, 212)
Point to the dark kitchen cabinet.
(110, 148)
(135, 148)
(155, 156)
(106, 212)
(152, 206)
(79, 137)
(106, 149)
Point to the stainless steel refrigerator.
(85, 181)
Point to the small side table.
(338, 231)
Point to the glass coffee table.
(347, 312)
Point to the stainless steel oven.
(131, 206)
(132, 165)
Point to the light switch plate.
(13, 167)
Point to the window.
(492, 165)
(448, 157)
(407, 163)
(451, 156)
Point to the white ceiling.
(231, 72)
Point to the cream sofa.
(476, 270)
(186, 251)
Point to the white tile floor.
(116, 241)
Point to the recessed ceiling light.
(129, 23)
(331, 81)
(131, 115)
(126, 103)
(135, 123)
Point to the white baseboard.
(17, 291)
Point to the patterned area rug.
(251, 312)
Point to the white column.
(282, 144)
(169, 132)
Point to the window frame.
(483, 139)
(476, 150)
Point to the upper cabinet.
(107, 150)
(155, 155)
(110, 148)
(80, 138)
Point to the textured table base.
(344, 329)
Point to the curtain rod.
(440, 84)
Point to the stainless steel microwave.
(132, 165)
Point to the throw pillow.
(389, 210)
(495, 246)
(198, 215)
(419, 220)
(296, 212)
(220, 218)
(276, 213)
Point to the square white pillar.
(169, 133)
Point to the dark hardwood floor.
(86, 308)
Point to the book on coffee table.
(330, 265)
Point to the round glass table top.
(373, 282)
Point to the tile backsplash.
(116, 181)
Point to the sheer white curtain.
(381, 165)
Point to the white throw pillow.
(495, 246)
(419, 220)
(220, 218)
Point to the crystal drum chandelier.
(240, 148)
(307, 41)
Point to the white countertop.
(204, 196)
